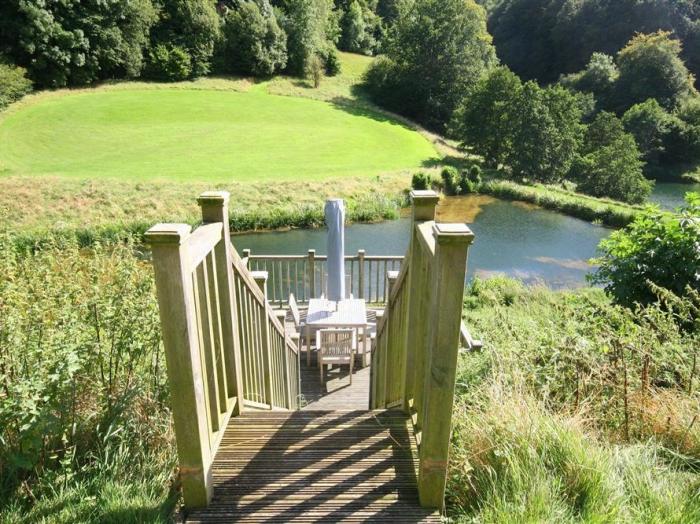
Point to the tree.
(252, 41)
(311, 28)
(437, 50)
(72, 42)
(484, 120)
(651, 67)
(657, 248)
(598, 78)
(547, 132)
(190, 25)
(359, 26)
(610, 164)
(168, 63)
(649, 124)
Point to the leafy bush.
(656, 249)
(420, 181)
(649, 123)
(168, 64)
(83, 374)
(14, 84)
(252, 42)
(450, 180)
(314, 70)
(331, 62)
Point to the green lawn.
(195, 134)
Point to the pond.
(671, 195)
(512, 238)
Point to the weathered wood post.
(391, 278)
(444, 322)
(424, 204)
(260, 278)
(214, 206)
(311, 269)
(181, 341)
(245, 257)
(361, 273)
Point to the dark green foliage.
(649, 124)
(546, 133)
(420, 181)
(14, 84)
(252, 42)
(168, 63)
(72, 42)
(543, 39)
(484, 120)
(450, 180)
(651, 67)
(192, 25)
(656, 249)
(436, 51)
(610, 163)
(598, 78)
(360, 27)
(331, 61)
(309, 25)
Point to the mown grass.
(203, 135)
(575, 411)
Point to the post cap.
(168, 234)
(220, 198)
(259, 276)
(459, 233)
(424, 197)
(392, 275)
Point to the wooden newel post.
(260, 278)
(391, 278)
(181, 341)
(424, 204)
(444, 322)
(214, 206)
(311, 263)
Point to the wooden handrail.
(305, 276)
(414, 358)
(219, 333)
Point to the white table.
(323, 313)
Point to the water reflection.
(526, 242)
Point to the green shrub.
(168, 63)
(656, 249)
(420, 181)
(83, 374)
(14, 84)
(314, 70)
(450, 180)
(332, 62)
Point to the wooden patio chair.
(336, 346)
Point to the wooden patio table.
(324, 313)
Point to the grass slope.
(203, 135)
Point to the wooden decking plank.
(316, 466)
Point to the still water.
(511, 238)
(671, 196)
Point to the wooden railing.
(414, 359)
(306, 275)
(225, 350)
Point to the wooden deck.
(337, 392)
(316, 466)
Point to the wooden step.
(316, 466)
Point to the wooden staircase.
(316, 466)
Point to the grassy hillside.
(199, 135)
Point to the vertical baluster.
(361, 272)
(206, 341)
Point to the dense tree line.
(74, 42)
(542, 39)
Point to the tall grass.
(84, 425)
(576, 411)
